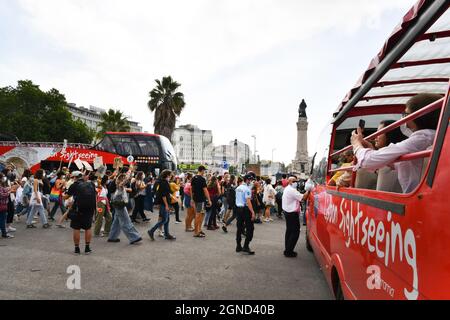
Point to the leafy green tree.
(34, 115)
(167, 104)
(113, 121)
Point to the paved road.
(34, 266)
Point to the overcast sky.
(244, 65)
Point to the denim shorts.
(200, 207)
(187, 201)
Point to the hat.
(250, 176)
(77, 174)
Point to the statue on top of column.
(302, 109)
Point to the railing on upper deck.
(407, 157)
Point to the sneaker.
(266, 220)
(177, 222)
(11, 229)
(160, 233)
(248, 251)
(46, 226)
(151, 235)
(136, 241)
(114, 240)
(238, 248)
(290, 254)
(77, 250)
(8, 236)
(170, 237)
(146, 220)
(61, 226)
(31, 226)
(87, 250)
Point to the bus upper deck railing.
(430, 108)
(44, 144)
(406, 157)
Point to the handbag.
(119, 199)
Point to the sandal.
(200, 235)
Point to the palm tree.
(167, 104)
(113, 121)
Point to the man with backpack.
(83, 209)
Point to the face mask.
(405, 130)
(294, 185)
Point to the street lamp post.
(254, 141)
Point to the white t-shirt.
(269, 195)
(19, 194)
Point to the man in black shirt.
(82, 211)
(199, 195)
(163, 199)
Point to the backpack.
(279, 195)
(134, 190)
(86, 195)
(111, 186)
(53, 181)
(156, 195)
(27, 190)
(230, 194)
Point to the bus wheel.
(308, 244)
(339, 293)
(337, 289)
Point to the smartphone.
(362, 124)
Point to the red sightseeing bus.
(374, 244)
(149, 152)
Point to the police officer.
(245, 214)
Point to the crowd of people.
(118, 200)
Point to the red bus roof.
(414, 59)
(133, 134)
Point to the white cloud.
(225, 53)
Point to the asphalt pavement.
(34, 266)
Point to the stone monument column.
(301, 162)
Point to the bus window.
(321, 161)
(148, 146)
(168, 151)
(106, 145)
(126, 145)
(344, 131)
